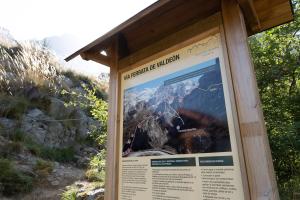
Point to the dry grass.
(29, 64)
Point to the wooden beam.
(171, 40)
(97, 57)
(185, 12)
(123, 46)
(250, 14)
(257, 154)
(240, 151)
(276, 15)
(111, 157)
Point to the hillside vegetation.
(52, 126)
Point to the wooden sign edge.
(216, 28)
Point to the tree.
(276, 56)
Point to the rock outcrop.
(45, 124)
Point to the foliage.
(29, 76)
(98, 85)
(58, 154)
(276, 55)
(43, 168)
(17, 136)
(99, 111)
(13, 181)
(98, 108)
(96, 170)
(77, 79)
(69, 193)
(13, 106)
(19, 140)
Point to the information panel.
(177, 134)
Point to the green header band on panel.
(216, 161)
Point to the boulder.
(96, 194)
(33, 93)
(86, 191)
(7, 124)
(32, 126)
(61, 129)
(66, 83)
(26, 169)
(85, 124)
(58, 110)
(42, 128)
(55, 183)
(82, 161)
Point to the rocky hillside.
(50, 136)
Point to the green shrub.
(12, 181)
(69, 193)
(15, 145)
(95, 175)
(58, 154)
(96, 170)
(13, 106)
(43, 168)
(77, 79)
(17, 136)
(55, 154)
(32, 146)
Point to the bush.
(96, 170)
(69, 193)
(94, 175)
(58, 154)
(43, 168)
(17, 136)
(77, 79)
(12, 181)
(33, 147)
(54, 154)
(13, 106)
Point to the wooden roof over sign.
(168, 16)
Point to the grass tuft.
(12, 181)
(70, 193)
(43, 168)
(13, 106)
(58, 154)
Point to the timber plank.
(260, 171)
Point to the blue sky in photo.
(157, 82)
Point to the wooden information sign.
(185, 120)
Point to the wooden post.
(111, 160)
(260, 172)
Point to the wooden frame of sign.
(210, 26)
(257, 177)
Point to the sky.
(81, 20)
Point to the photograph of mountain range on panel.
(181, 113)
